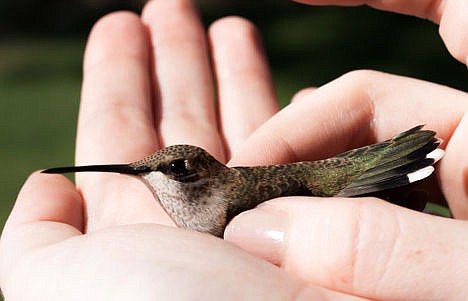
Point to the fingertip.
(110, 36)
(117, 18)
(260, 232)
(454, 29)
(302, 94)
(235, 25)
(172, 18)
(235, 38)
(154, 8)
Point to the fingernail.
(260, 231)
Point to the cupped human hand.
(452, 16)
(147, 84)
(364, 246)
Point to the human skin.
(107, 238)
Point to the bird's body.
(202, 194)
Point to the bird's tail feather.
(406, 158)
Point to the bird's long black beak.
(118, 168)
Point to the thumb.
(364, 247)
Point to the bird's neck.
(198, 205)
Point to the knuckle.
(120, 19)
(362, 77)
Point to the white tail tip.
(436, 154)
(420, 174)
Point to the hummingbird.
(200, 193)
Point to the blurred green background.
(42, 43)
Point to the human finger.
(48, 210)
(454, 167)
(186, 110)
(116, 123)
(116, 103)
(451, 15)
(246, 96)
(365, 247)
(358, 108)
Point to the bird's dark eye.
(180, 170)
(178, 167)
